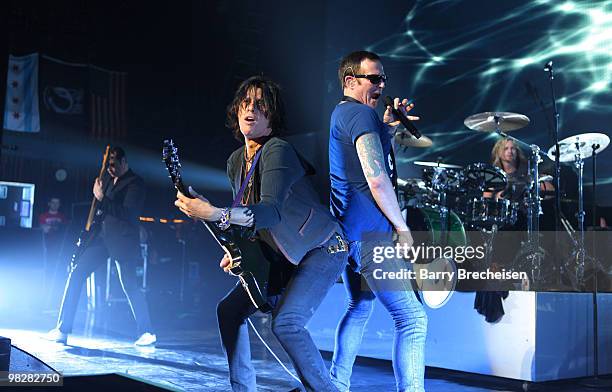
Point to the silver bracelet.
(224, 222)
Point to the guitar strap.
(238, 197)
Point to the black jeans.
(92, 258)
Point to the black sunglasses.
(374, 79)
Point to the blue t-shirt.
(351, 200)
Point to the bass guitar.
(94, 219)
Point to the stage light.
(599, 86)
(568, 6)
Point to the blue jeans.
(312, 279)
(408, 315)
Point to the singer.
(363, 199)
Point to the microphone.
(403, 119)
(548, 66)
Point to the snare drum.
(486, 211)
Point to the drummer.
(508, 156)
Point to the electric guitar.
(229, 240)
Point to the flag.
(82, 98)
(107, 102)
(21, 104)
(63, 98)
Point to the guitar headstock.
(173, 164)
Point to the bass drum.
(436, 277)
(426, 224)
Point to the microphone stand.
(557, 210)
(549, 68)
(595, 382)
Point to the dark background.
(184, 60)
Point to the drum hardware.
(532, 252)
(577, 148)
(501, 123)
(534, 204)
(489, 237)
(570, 267)
(580, 250)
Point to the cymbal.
(437, 164)
(569, 149)
(406, 139)
(486, 121)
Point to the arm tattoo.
(370, 154)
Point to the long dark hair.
(273, 107)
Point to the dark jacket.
(122, 205)
(289, 206)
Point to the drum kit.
(449, 198)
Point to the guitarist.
(119, 199)
(281, 209)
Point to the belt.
(338, 244)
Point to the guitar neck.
(94, 201)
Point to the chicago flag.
(21, 105)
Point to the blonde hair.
(498, 148)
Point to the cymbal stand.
(442, 189)
(580, 250)
(595, 147)
(534, 210)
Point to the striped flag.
(21, 105)
(107, 104)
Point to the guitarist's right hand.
(225, 263)
(97, 189)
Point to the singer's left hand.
(404, 107)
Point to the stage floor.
(193, 361)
